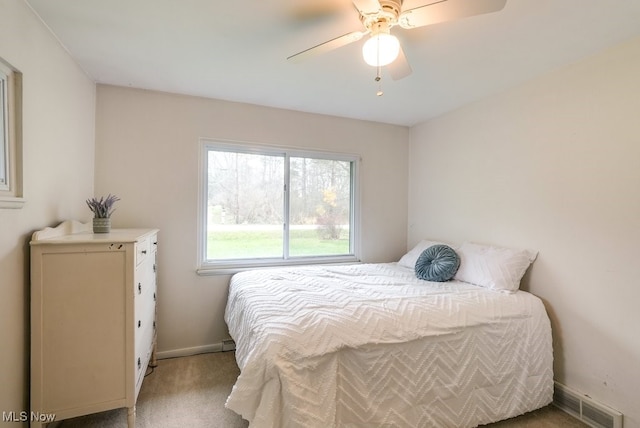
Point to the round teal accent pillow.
(437, 263)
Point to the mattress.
(370, 345)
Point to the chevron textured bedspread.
(370, 345)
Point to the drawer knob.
(139, 323)
(144, 251)
(139, 363)
(139, 288)
(154, 267)
(154, 297)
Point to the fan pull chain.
(379, 79)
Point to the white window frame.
(219, 267)
(10, 137)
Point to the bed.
(371, 345)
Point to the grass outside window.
(268, 243)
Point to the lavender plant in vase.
(102, 209)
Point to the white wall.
(552, 165)
(147, 153)
(58, 140)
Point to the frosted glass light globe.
(381, 49)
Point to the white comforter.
(371, 345)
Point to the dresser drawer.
(142, 250)
(143, 320)
(145, 277)
(143, 294)
(143, 348)
(141, 364)
(144, 309)
(153, 243)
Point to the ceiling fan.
(378, 18)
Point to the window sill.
(11, 203)
(230, 269)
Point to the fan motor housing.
(392, 6)
(388, 13)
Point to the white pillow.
(409, 260)
(497, 268)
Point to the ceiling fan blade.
(367, 7)
(447, 10)
(330, 45)
(399, 68)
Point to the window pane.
(244, 206)
(320, 207)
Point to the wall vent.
(586, 409)
(228, 345)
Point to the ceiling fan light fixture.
(381, 49)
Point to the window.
(4, 138)
(264, 206)
(10, 137)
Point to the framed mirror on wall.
(10, 137)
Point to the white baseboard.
(185, 352)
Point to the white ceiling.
(237, 50)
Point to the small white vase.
(101, 225)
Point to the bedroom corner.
(58, 132)
(550, 165)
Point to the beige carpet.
(191, 392)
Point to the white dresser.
(93, 304)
